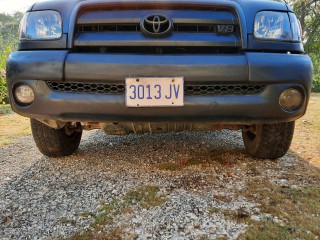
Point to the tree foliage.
(308, 13)
(9, 25)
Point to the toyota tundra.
(155, 66)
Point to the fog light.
(24, 94)
(290, 99)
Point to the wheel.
(55, 142)
(268, 141)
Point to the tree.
(9, 25)
(308, 13)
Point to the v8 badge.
(225, 28)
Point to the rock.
(283, 183)
(3, 220)
(256, 218)
(48, 191)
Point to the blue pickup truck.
(154, 66)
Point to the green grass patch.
(239, 215)
(106, 214)
(115, 234)
(146, 196)
(266, 230)
(102, 219)
(298, 210)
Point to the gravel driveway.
(199, 176)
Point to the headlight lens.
(41, 25)
(270, 25)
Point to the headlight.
(270, 25)
(41, 25)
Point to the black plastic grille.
(188, 28)
(221, 90)
(87, 88)
(160, 6)
(190, 90)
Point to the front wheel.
(55, 142)
(268, 141)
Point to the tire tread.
(272, 140)
(54, 142)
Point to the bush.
(316, 70)
(3, 89)
(3, 85)
(8, 42)
(316, 82)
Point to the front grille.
(118, 27)
(99, 88)
(159, 6)
(190, 90)
(161, 50)
(183, 28)
(222, 90)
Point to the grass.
(114, 234)
(172, 166)
(101, 220)
(313, 116)
(306, 141)
(107, 213)
(13, 126)
(146, 196)
(298, 210)
(240, 215)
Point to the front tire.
(54, 142)
(268, 141)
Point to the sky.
(11, 6)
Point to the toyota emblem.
(156, 25)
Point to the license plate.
(155, 92)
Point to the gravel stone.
(46, 198)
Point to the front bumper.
(277, 70)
